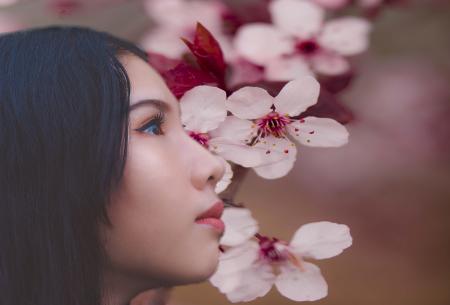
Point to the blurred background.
(390, 184)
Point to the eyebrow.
(162, 106)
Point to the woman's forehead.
(146, 83)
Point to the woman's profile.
(100, 186)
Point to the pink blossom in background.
(7, 2)
(402, 127)
(299, 42)
(164, 38)
(250, 269)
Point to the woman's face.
(168, 182)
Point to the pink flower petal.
(238, 258)
(232, 264)
(297, 285)
(240, 226)
(259, 42)
(226, 178)
(297, 95)
(234, 128)
(246, 285)
(286, 68)
(203, 108)
(318, 132)
(281, 167)
(275, 170)
(320, 240)
(239, 153)
(347, 35)
(249, 103)
(300, 18)
(330, 63)
(254, 283)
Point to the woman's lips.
(213, 222)
(211, 217)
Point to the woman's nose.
(206, 168)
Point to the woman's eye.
(154, 126)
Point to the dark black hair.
(64, 102)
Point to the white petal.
(297, 95)
(203, 108)
(226, 178)
(246, 286)
(306, 285)
(275, 149)
(321, 240)
(240, 226)
(238, 258)
(286, 68)
(278, 169)
(297, 17)
(249, 103)
(244, 155)
(347, 35)
(259, 42)
(319, 132)
(330, 63)
(234, 128)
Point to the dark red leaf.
(185, 77)
(208, 53)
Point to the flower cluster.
(251, 88)
(258, 133)
(253, 263)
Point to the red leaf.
(208, 53)
(185, 77)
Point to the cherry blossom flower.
(264, 122)
(203, 112)
(250, 269)
(299, 41)
(184, 15)
(240, 226)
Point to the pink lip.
(213, 222)
(211, 217)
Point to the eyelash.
(157, 120)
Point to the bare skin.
(168, 181)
